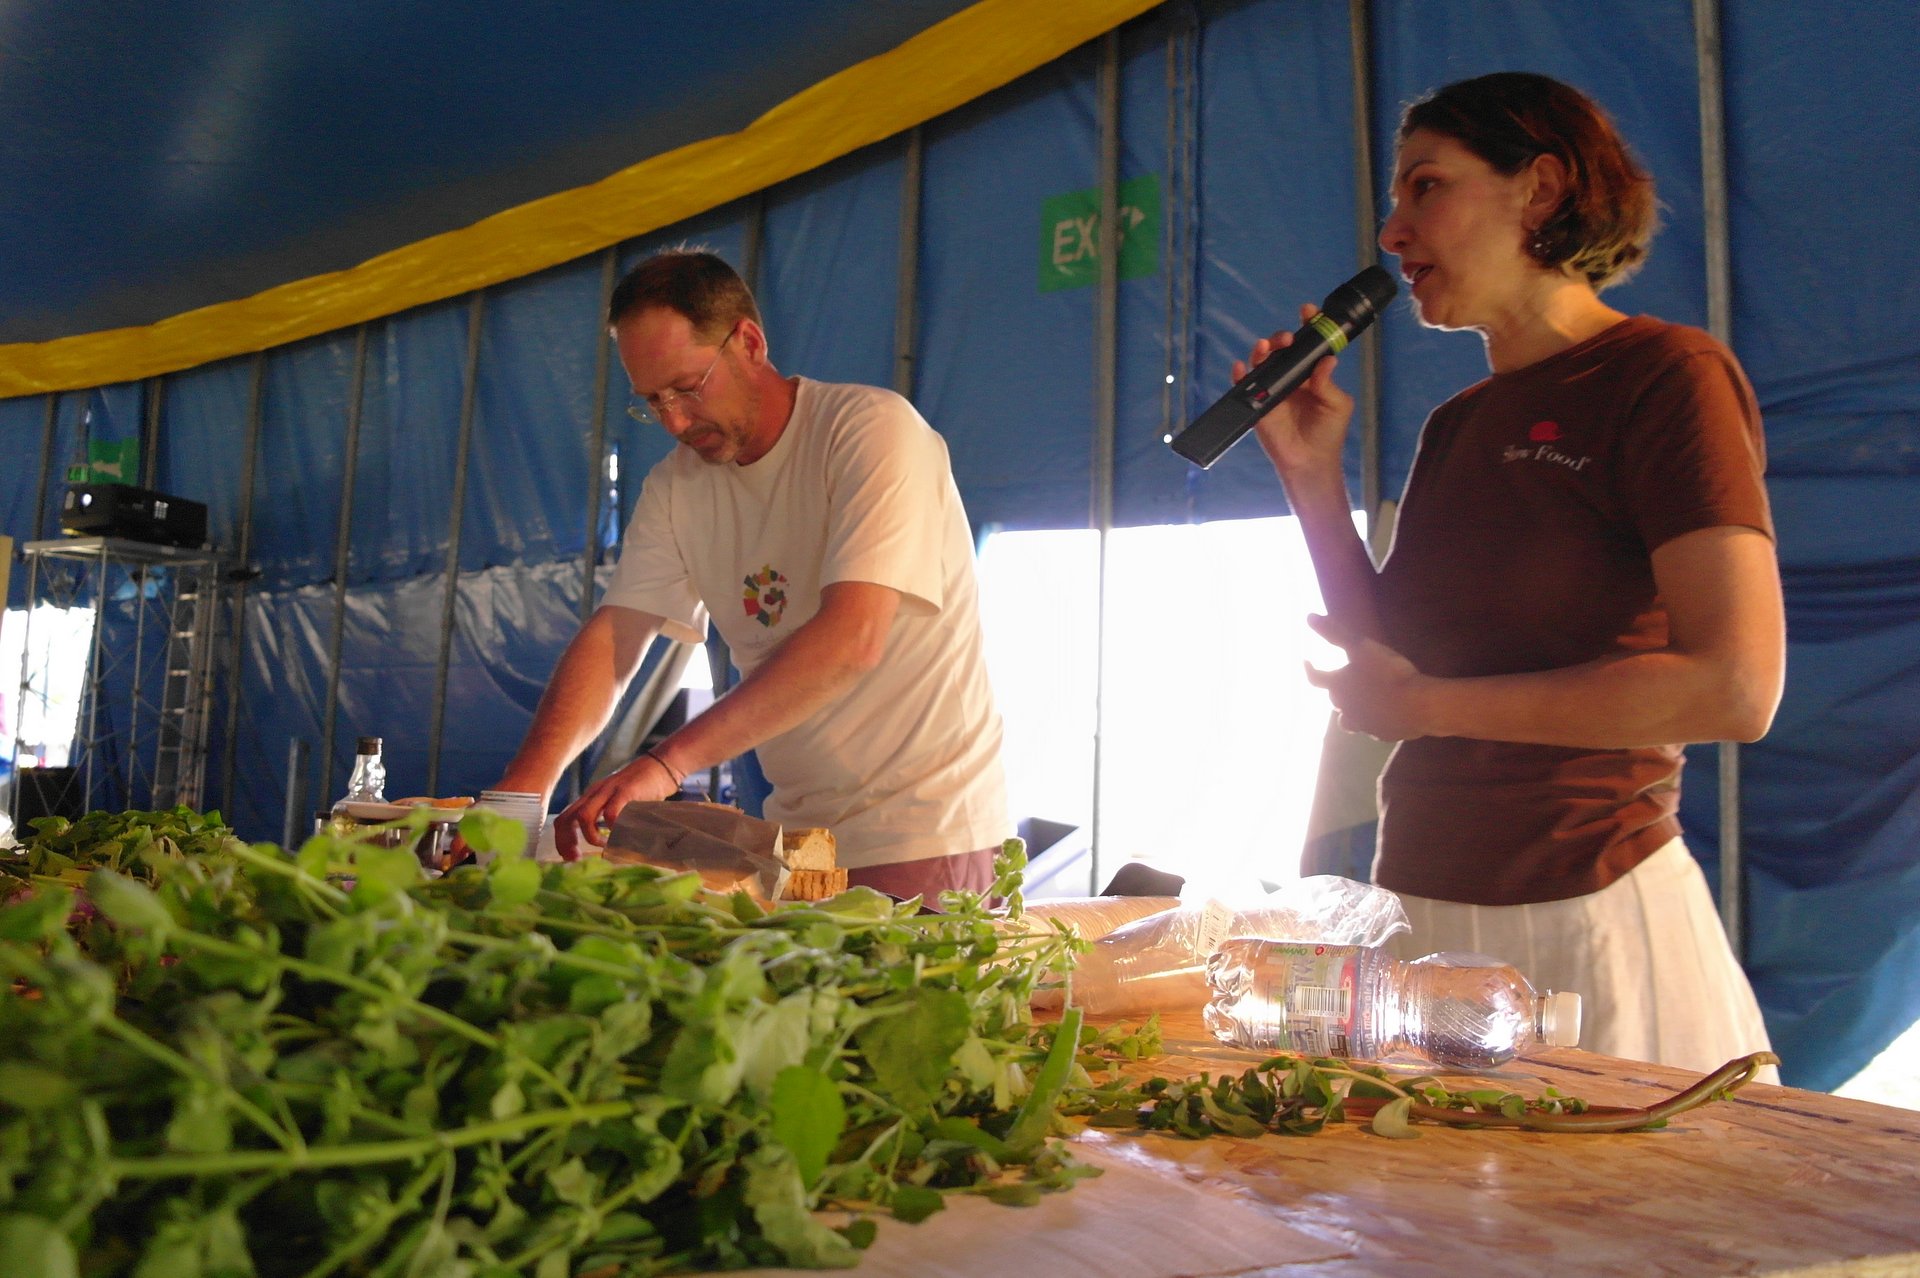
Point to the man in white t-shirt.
(820, 527)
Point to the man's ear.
(753, 340)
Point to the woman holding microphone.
(1582, 578)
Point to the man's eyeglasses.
(653, 409)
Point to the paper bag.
(728, 849)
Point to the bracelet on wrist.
(678, 777)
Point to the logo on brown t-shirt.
(1541, 438)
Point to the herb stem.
(376, 1229)
(365, 1153)
(1722, 1082)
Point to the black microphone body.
(1347, 311)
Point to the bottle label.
(1216, 923)
(1310, 988)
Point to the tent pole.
(907, 298)
(756, 235)
(1180, 205)
(150, 432)
(1359, 14)
(597, 431)
(49, 431)
(342, 550)
(1105, 331)
(242, 573)
(597, 468)
(476, 314)
(1713, 200)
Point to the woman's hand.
(644, 780)
(1378, 691)
(1309, 427)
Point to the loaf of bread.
(812, 874)
(813, 885)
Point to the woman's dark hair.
(1510, 118)
(691, 281)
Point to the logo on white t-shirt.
(765, 596)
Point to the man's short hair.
(691, 282)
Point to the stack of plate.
(527, 808)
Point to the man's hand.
(645, 780)
(1377, 692)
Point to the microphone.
(1347, 311)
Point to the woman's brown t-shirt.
(1524, 543)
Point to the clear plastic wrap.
(1159, 962)
(1087, 917)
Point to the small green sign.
(1070, 234)
(109, 461)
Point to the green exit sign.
(1070, 234)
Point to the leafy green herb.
(332, 1063)
(1299, 1096)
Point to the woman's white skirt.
(1647, 955)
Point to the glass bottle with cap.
(367, 784)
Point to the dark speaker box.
(44, 792)
(137, 514)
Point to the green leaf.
(200, 1124)
(386, 868)
(1391, 1120)
(1030, 1124)
(910, 1049)
(976, 1064)
(571, 1182)
(702, 1067)
(128, 903)
(39, 916)
(493, 834)
(778, 1201)
(508, 1101)
(25, 1086)
(914, 1203)
(808, 1117)
(1018, 1194)
(968, 1132)
(594, 994)
(34, 1245)
(772, 1039)
(513, 880)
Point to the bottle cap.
(1560, 1018)
(368, 745)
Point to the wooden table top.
(1775, 1181)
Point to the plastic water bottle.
(1467, 1011)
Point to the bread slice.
(810, 849)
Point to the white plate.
(362, 811)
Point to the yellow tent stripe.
(968, 54)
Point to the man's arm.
(1718, 679)
(815, 666)
(593, 671)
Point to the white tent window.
(1211, 734)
